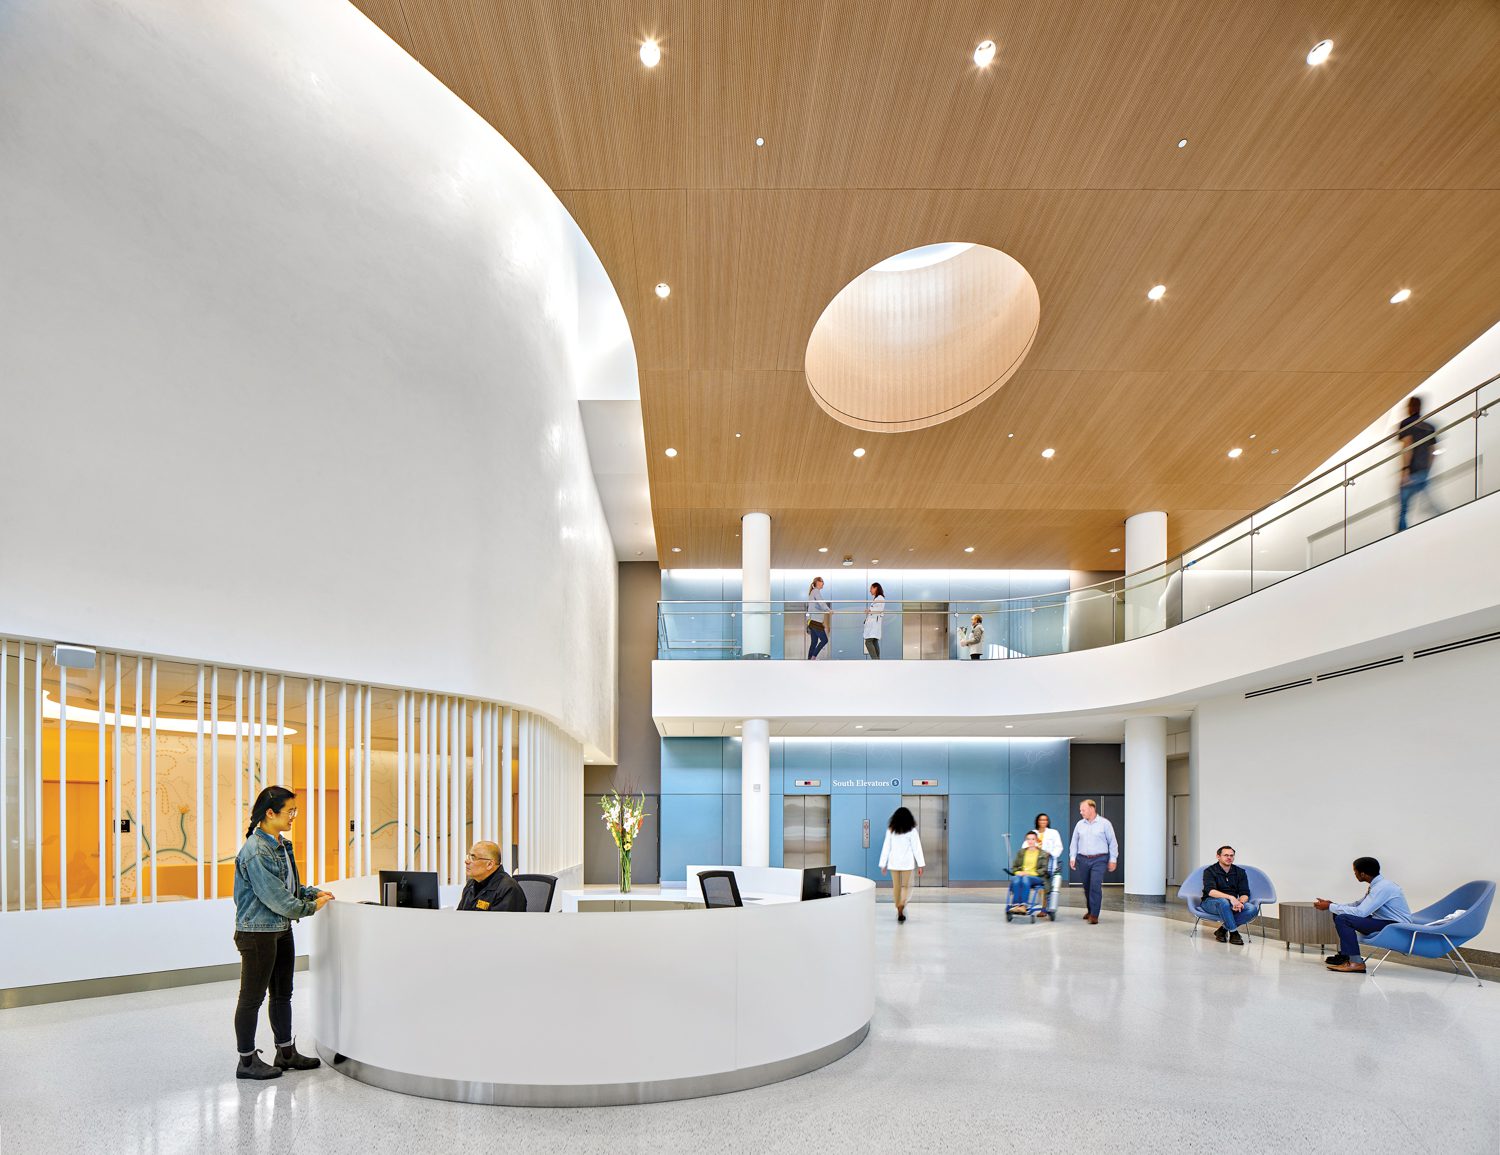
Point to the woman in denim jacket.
(268, 894)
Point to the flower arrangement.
(624, 815)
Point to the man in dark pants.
(1383, 904)
(1416, 465)
(489, 887)
(1093, 845)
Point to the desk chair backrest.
(538, 890)
(719, 888)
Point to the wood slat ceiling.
(1304, 199)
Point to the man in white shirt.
(1093, 845)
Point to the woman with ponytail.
(268, 895)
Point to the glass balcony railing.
(1352, 504)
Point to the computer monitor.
(817, 882)
(417, 888)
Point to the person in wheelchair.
(1031, 870)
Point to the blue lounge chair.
(1426, 936)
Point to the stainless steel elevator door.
(804, 831)
(931, 812)
(924, 632)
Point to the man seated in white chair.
(1226, 896)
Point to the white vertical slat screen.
(418, 776)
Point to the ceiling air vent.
(1277, 689)
(883, 730)
(1396, 661)
(1445, 647)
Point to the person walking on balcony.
(268, 895)
(874, 616)
(1093, 845)
(818, 611)
(1420, 440)
(901, 854)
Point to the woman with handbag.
(268, 895)
(818, 610)
(901, 854)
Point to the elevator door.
(804, 831)
(931, 812)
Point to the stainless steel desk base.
(591, 1095)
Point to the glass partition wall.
(1352, 504)
(132, 781)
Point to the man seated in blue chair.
(489, 887)
(1383, 904)
(1226, 896)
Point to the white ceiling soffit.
(617, 449)
(609, 402)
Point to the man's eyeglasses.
(478, 858)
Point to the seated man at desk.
(489, 887)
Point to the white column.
(755, 793)
(1145, 842)
(1145, 593)
(755, 585)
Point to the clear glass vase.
(624, 871)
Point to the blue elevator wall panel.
(733, 751)
(692, 765)
(1023, 811)
(976, 846)
(808, 758)
(924, 758)
(979, 766)
(778, 834)
(1039, 766)
(879, 808)
(692, 830)
(732, 851)
(846, 817)
(848, 765)
(883, 761)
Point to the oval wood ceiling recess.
(1305, 198)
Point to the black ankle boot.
(287, 1059)
(253, 1067)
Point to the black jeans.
(872, 647)
(267, 959)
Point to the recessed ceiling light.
(1182, 143)
(985, 53)
(663, 290)
(874, 561)
(822, 549)
(911, 549)
(1048, 453)
(1274, 452)
(1252, 437)
(1156, 293)
(968, 549)
(857, 726)
(859, 453)
(1401, 296)
(1008, 726)
(1008, 436)
(677, 549)
(737, 725)
(651, 54)
(1235, 452)
(1115, 550)
(848, 561)
(760, 142)
(736, 434)
(670, 452)
(1321, 51)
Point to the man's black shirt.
(497, 892)
(1232, 881)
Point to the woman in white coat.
(901, 854)
(874, 617)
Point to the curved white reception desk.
(593, 1008)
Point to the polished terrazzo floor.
(1128, 1036)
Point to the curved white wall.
(287, 348)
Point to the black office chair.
(719, 888)
(538, 890)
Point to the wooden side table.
(1302, 923)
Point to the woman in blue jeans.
(818, 610)
(268, 895)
